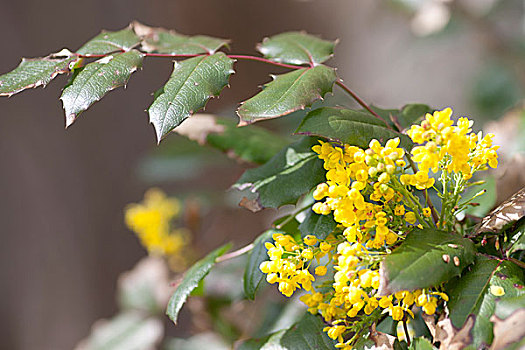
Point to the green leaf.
(473, 293)
(127, 330)
(108, 42)
(288, 93)
(253, 276)
(426, 258)
(348, 126)
(165, 41)
(253, 144)
(412, 113)
(507, 306)
(96, 80)
(191, 280)
(318, 225)
(307, 334)
(193, 82)
(292, 172)
(421, 344)
(297, 48)
(34, 72)
(517, 240)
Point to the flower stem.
(235, 254)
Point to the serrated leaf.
(165, 41)
(34, 72)
(348, 126)
(292, 172)
(421, 344)
(253, 276)
(96, 80)
(307, 334)
(511, 210)
(474, 293)
(297, 48)
(193, 82)
(426, 258)
(318, 225)
(253, 144)
(507, 306)
(191, 280)
(108, 42)
(288, 93)
(128, 330)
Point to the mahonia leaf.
(288, 93)
(348, 126)
(108, 42)
(476, 291)
(96, 80)
(160, 40)
(318, 225)
(253, 145)
(297, 48)
(513, 209)
(193, 82)
(292, 172)
(34, 72)
(253, 276)
(425, 259)
(191, 280)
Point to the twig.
(235, 254)
(361, 102)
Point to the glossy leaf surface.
(96, 80)
(297, 48)
(348, 126)
(476, 291)
(191, 280)
(193, 82)
(318, 225)
(253, 276)
(34, 72)
(292, 172)
(426, 258)
(165, 41)
(108, 42)
(288, 93)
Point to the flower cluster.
(372, 196)
(151, 221)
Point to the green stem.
(292, 216)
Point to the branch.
(235, 254)
(361, 102)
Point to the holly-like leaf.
(348, 126)
(96, 80)
(191, 280)
(318, 225)
(253, 144)
(253, 276)
(475, 293)
(297, 48)
(307, 334)
(108, 42)
(165, 41)
(426, 258)
(288, 93)
(193, 82)
(505, 214)
(34, 72)
(292, 172)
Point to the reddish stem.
(240, 57)
(360, 101)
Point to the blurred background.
(63, 193)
